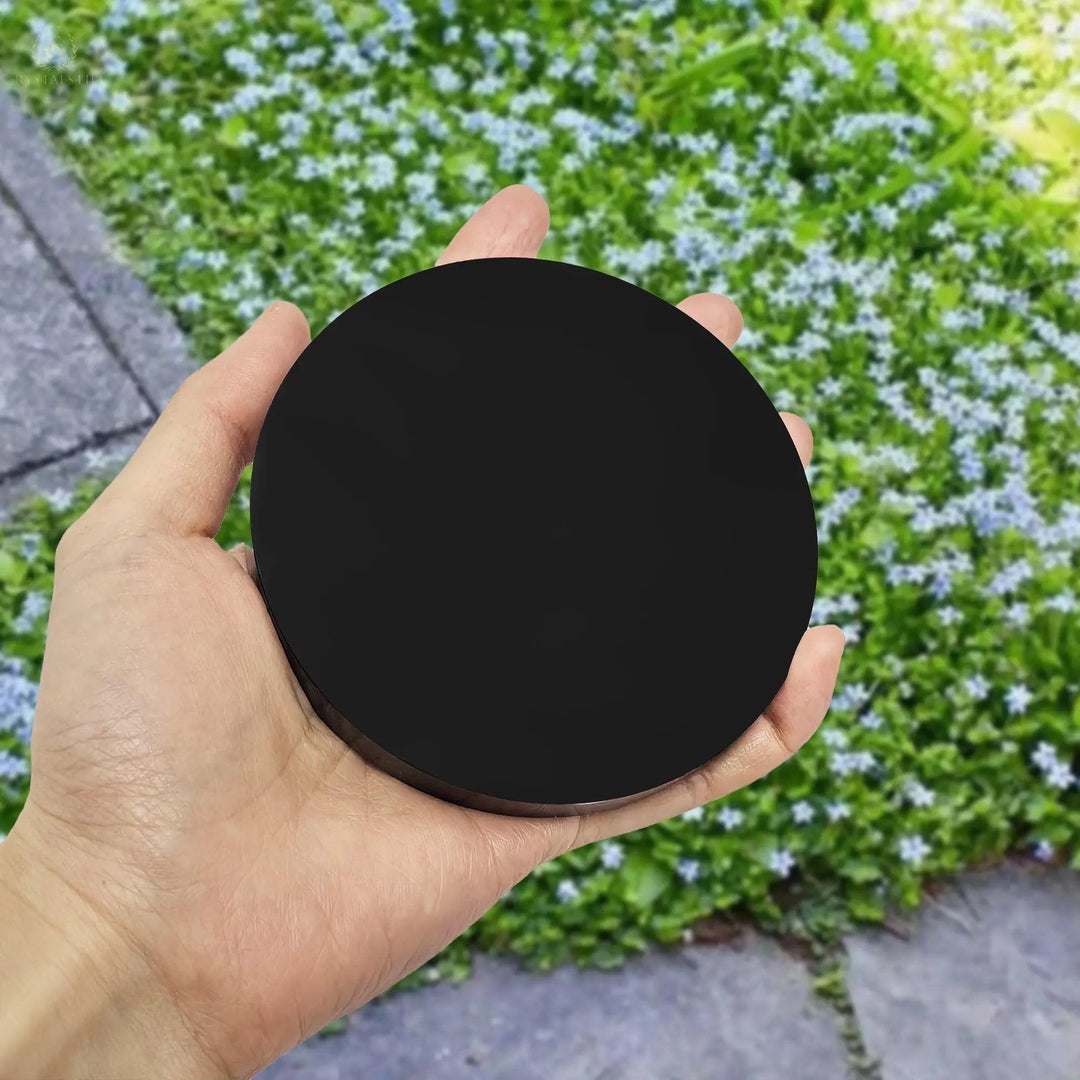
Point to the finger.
(801, 436)
(717, 314)
(244, 558)
(722, 318)
(791, 718)
(182, 476)
(512, 223)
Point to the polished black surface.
(532, 537)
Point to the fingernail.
(269, 307)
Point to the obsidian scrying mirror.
(575, 549)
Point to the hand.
(204, 874)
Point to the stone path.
(699, 1013)
(87, 359)
(986, 988)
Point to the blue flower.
(781, 862)
(12, 766)
(612, 855)
(1043, 850)
(688, 869)
(913, 850)
(567, 891)
(1017, 698)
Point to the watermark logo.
(50, 53)
(55, 57)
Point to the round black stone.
(532, 538)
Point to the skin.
(203, 874)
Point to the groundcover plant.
(900, 245)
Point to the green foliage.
(906, 282)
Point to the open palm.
(186, 798)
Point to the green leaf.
(645, 879)
(12, 570)
(808, 230)
(951, 113)
(456, 164)
(875, 533)
(860, 870)
(867, 908)
(359, 16)
(948, 293)
(231, 130)
(966, 146)
(707, 71)
(1063, 126)
(831, 982)
(1031, 136)
(1065, 191)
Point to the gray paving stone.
(699, 1013)
(59, 384)
(145, 339)
(57, 480)
(988, 988)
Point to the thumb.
(182, 476)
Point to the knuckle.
(191, 389)
(698, 787)
(785, 739)
(88, 549)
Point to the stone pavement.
(87, 359)
(987, 986)
(705, 1012)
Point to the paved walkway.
(986, 987)
(87, 359)
(707, 1012)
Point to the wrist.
(78, 997)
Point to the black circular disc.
(532, 538)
